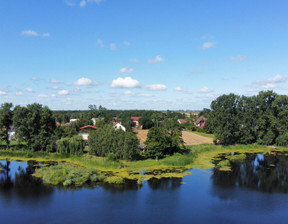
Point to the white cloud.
(100, 43)
(85, 82)
(239, 58)
(55, 87)
(69, 3)
(54, 81)
(206, 90)
(19, 93)
(126, 82)
(126, 70)
(83, 3)
(207, 45)
(33, 33)
(134, 60)
(145, 95)
(29, 90)
(53, 95)
(63, 92)
(156, 87)
(157, 59)
(113, 47)
(272, 82)
(42, 96)
(2, 93)
(178, 89)
(128, 92)
(126, 43)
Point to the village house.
(136, 121)
(88, 128)
(182, 121)
(200, 122)
(117, 125)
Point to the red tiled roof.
(135, 118)
(115, 123)
(182, 121)
(203, 124)
(89, 126)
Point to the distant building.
(182, 121)
(73, 120)
(136, 121)
(200, 122)
(96, 119)
(117, 125)
(85, 135)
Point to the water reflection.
(266, 173)
(165, 184)
(18, 179)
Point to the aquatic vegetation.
(238, 157)
(114, 180)
(224, 165)
(66, 174)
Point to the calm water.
(253, 193)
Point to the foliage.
(246, 120)
(73, 145)
(146, 122)
(164, 140)
(35, 125)
(6, 121)
(66, 174)
(105, 140)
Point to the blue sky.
(140, 54)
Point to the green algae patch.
(114, 180)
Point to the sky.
(140, 54)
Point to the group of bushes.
(73, 145)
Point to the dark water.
(207, 196)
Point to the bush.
(282, 139)
(111, 157)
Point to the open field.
(189, 138)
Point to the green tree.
(34, 124)
(6, 116)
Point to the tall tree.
(6, 120)
(34, 124)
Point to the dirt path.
(188, 137)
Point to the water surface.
(208, 196)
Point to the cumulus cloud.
(63, 92)
(54, 81)
(157, 59)
(156, 87)
(100, 43)
(126, 43)
(134, 60)
(85, 82)
(145, 95)
(19, 93)
(33, 33)
(128, 92)
(179, 89)
(206, 90)
(271, 83)
(113, 47)
(207, 45)
(126, 82)
(42, 96)
(83, 3)
(2, 93)
(29, 90)
(126, 70)
(239, 58)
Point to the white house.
(117, 125)
(73, 120)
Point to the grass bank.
(198, 156)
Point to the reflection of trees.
(267, 174)
(23, 184)
(6, 183)
(128, 185)
(165, 183)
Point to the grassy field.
(190, 138)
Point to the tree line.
(261, 119)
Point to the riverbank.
(200, 156)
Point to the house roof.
(200, 119)
(135, 118)
(89, 126)
(203, 124)
(115, 123)
(182, 121)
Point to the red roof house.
(89, 126)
